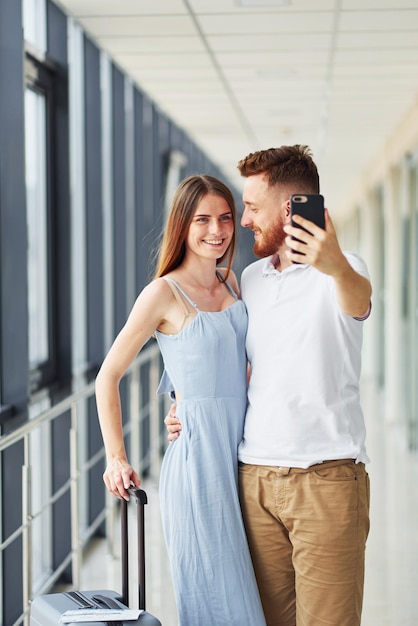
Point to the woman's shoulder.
(157, 291)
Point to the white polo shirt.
(305, 355)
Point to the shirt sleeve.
(359, 265)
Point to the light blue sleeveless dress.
(211, 565)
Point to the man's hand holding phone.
(315, 246)
(309, 207)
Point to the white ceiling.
(337, 75)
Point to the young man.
(303, 486)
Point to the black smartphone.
(309, 206)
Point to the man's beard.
(271, 241)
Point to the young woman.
(194, 311)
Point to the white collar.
(269, 269)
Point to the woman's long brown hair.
(186, 198)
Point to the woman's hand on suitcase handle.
(119, 476)
(172, 424)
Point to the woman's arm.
(147, 314)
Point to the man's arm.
(353, 292)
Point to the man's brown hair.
(287, 164)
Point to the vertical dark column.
(61, 512)
(147, 239)
(94, 226)
(162, 148)
(12, 211)
(13, 290)
(61, 246)
(94, 256)
(119, 200)
(119, 217)
(141, 277)
(57, 50)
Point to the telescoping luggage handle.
(141, 499)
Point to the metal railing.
(75, 404)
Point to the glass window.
(36, 203)
(41, 472)
(381, 287)
(409, 360)
(413, 309)
(175, 164)
(41, 268)
(34, 23)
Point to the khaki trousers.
(307, 531)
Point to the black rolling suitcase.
(101, 607)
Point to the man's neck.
(275, 261)
(280, 260)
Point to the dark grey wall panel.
(60, 462)
(13, 282)
(13, 289)
(119, 197)
(119, 215)
(95, 271)
(94, 208)
(146, 237)
(161, 148)
(12, 460)
(141, 277)
(58, 52)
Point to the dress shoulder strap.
(175, 288)
(176, 294)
